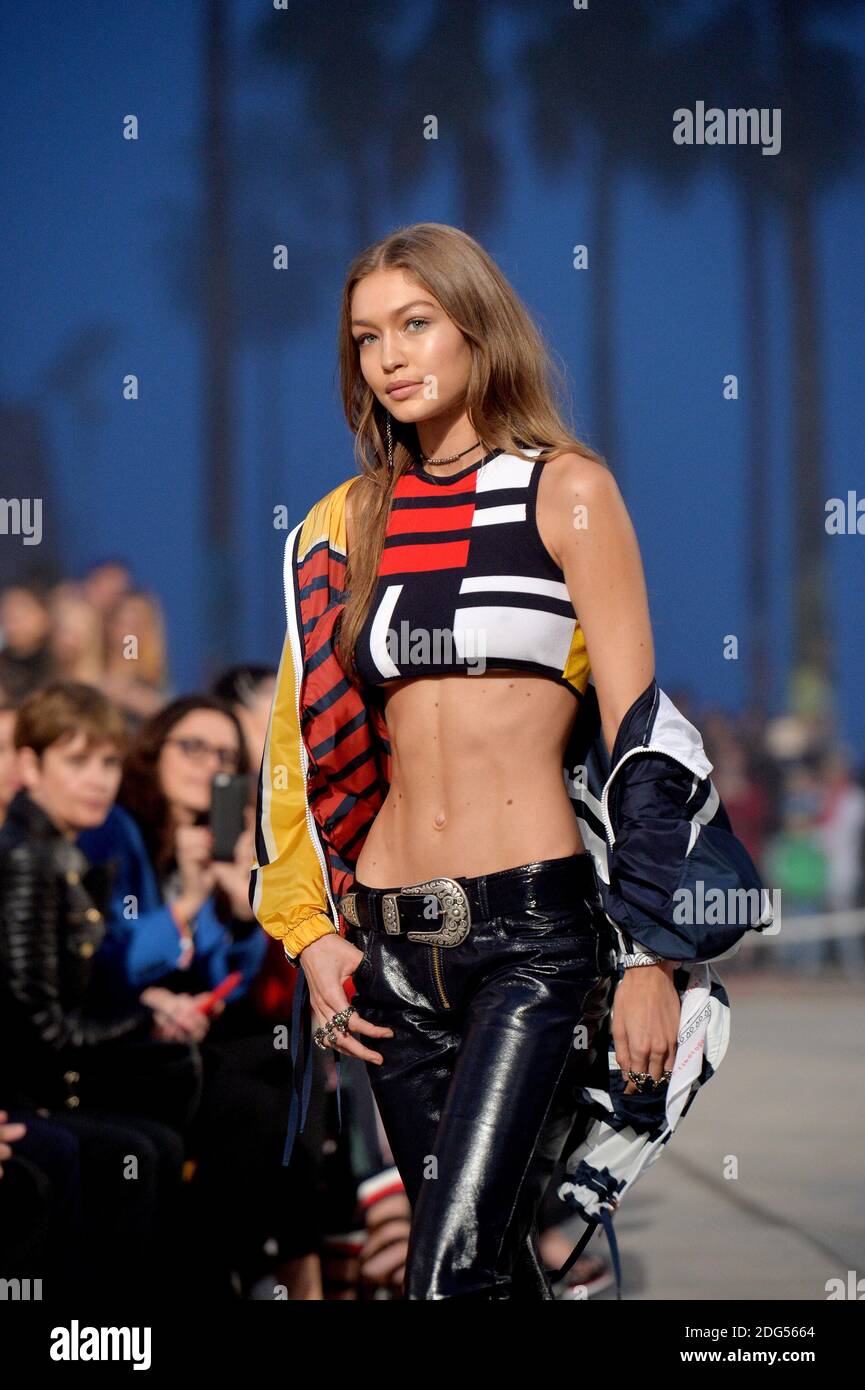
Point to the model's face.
(201, 744)
(403, 334)
(75, 785)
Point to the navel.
(439, 819)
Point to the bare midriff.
(477, 780)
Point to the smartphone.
(230, 794)
(224, 987)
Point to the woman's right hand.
(327, 963)
(175, 1016)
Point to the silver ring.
(328, 1031)
(643, 1080)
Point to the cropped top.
(466, 584)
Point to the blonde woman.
(76, 635)
(461, 617)
(136, 656)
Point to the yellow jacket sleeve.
(287, 890)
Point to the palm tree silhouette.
(819, 93)
(765, 55)
(446, 73)
(625, 69)
(593, 82)
(724, 59)
(337, 57)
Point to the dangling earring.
(389, 447)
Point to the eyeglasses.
(196, 749)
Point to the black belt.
(440, 910)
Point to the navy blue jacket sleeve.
(681, 883)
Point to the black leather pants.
(477, 1089)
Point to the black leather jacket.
(52, 923)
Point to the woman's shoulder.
(571, 489)
(568, 477)
(569, 466)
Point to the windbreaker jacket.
(672, 875)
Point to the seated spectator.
(249, 691)
(9, 781)
(26, 661)
(77, 638)
(181, 920)
(42, 1231)
(135, 675)
(105, 584)
(111, 1076)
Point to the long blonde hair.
(509, 399)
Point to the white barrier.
(817, 926)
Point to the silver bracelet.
(630, 952)
(643, 957)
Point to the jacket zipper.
(437, 972)
(294, 638)
(632, 753)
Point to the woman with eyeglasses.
(189, 925)
(180, 921)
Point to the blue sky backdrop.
(92, 224)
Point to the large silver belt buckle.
(348, 909)
(453, 907)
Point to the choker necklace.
(453, 457)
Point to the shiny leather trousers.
(477, 1088)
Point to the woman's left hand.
(645, 1022)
